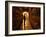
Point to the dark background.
(17, 17)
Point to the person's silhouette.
(24, 21)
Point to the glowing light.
(26, 21)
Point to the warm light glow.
(26, 14)
(27, 23)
